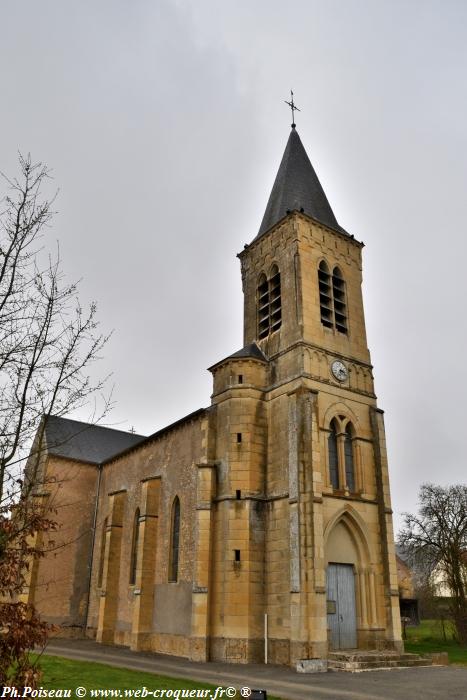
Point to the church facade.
(264, 520)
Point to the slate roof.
(85, 442)
(297, 187)
(163, 431)
(251, 350)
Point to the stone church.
(262, 522)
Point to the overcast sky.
(164, 124)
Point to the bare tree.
(47, 340)
(437, 538)
(21, 628)
(47, 344)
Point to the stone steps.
(370, 656)
(354, 662)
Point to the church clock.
(339, 371)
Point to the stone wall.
(153, 612)
(61, 580)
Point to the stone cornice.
(321, 348)
(348, 238)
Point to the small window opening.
(240, 378)
(239, 437)
(238, 494)
(237, 555)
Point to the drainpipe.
(91, 553)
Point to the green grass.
(428, 637)
(64, 673)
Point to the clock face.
(339, 370)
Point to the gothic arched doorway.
(347, 558)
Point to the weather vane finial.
(292, 107)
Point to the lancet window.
(338, 293)
(174, 541)
(341, 456)
(349, 461)
(102, 556)
(333, 456)
(332, 300)
(134, 548)
(325, 295)
(269, 303)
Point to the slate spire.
(297, 187)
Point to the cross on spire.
(293, 108)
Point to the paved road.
(426, 683)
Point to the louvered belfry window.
(332, 303)
(338, 293)
(275, 310)
(269, 303)
(263, 307)
(325, 295)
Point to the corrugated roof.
(297, 188)
(86, 442)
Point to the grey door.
(342, 619)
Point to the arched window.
(332, 303)
(263, 307)
(269, 303)
(333, 456)
(349, 465)
(174, 541)
(338, 293)
(134, 548)
(325, 295)
(102, 555)
(275, 309)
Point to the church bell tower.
(302, 273)
(310, 474)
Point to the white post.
(265, 638)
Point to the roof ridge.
(156, 434)
(93, 425)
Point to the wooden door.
(342, 618)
